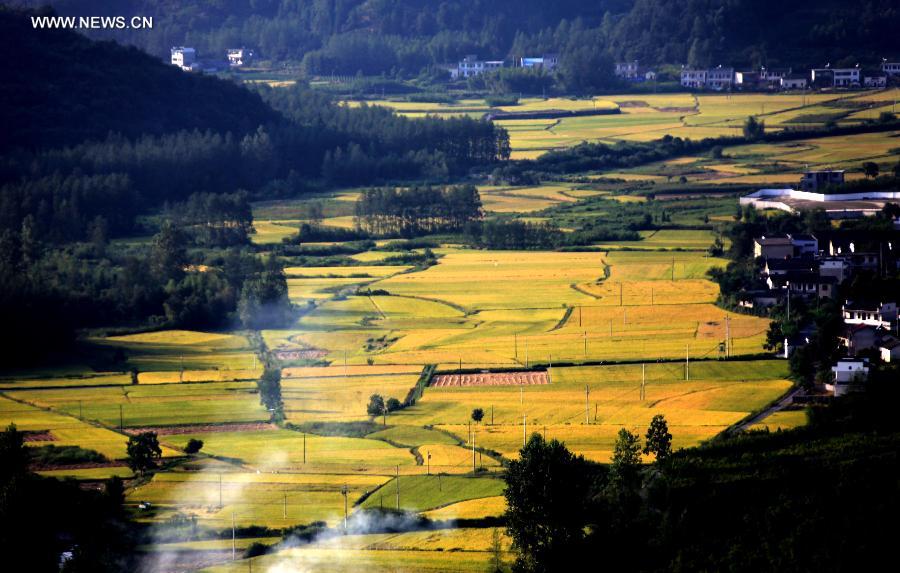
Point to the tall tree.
(546, 514)
(658, 440)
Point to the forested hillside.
(407, 36)
(60, 88)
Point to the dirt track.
(203, 428)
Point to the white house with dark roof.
(850, 374)
(876, 314)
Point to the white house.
(846, 77)
(183, 57)
(891, 68)
(627, 70)
(889, 349)
(720, 78)
(471, 66)
(239, 56)
(849, 375)
(805, 244)
(546, 62)
(877, 314)
(876, 80)
(835, 267)
(794, 82)
(693, 78)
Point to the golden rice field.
(459, 550)
(717, 395)
(646, 117)
(273, 499)
(67, 430)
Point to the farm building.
(546, 62)
(183, 57)
(815, 180)
(849, 375)
(695, 79)
(835, 205)
(891, 68)
(877, 314)
(471, 66)
(773, 247)
(794, 82)
(858, 337)
(875, 80)
(720, 78)
(239, 57)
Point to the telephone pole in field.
(587, 404)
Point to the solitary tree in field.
(477, 415)
(870, 168)
(193, 446)
(754, 129)
(316, 213)
(546, 514)
(393, 404)
(376, 405)
(143, 452)
(658, 439)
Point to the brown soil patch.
(490, 379)
(38, 436)
(633, 103)
(203, 428)
(84, 466)
(676, 109)
(306, 354)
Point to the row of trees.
(417, 210)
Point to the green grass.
(420, 493)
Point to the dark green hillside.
(59, 88)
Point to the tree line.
(417, 210)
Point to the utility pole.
(579, 316)
(643, 381)
(428, 471)
(524, 431)
(687, 362)
(587, 405)
(398, 487)
(344, 491)
(727, 337)
(585, 344)
(473, 452)
(384, 414)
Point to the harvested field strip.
(204, 428)
(490, 379)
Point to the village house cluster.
(470, 66)
(187, 60)
(794, 267)
(773, 79)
